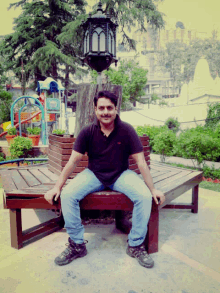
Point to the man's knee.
(144, 199)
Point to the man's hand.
(158, 194)
(52, 195)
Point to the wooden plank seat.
(24, 188)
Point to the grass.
(210, 186)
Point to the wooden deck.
(24, 187)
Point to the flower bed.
(211, 180)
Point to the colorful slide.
(23, 121)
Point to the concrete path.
(188, 260)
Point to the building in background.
(148, 45)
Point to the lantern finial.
(100, 6)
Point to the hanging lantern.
(99, 48)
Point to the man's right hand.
(52, 195)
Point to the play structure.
(48, 109)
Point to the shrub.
(34, 130)
(20, 147)
(12, 131)
(172, 124)
(217, 131)
(213, 115)
(197, 145)
(58, 131)
(2, 157)
(151, 131)
(163, 143)
(211, 172)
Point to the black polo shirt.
(108, 156)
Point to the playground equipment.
(51, 105)
(49, 108)
(17, 125)
(37, 104)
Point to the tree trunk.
(85, 113)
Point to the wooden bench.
(25, 188)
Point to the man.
(109, 142)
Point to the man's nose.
(105, 111)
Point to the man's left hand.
(157, 194)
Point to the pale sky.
(202, 15)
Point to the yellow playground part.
(6, 125)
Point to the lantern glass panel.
(110, 40)
(87, 45)
(86, 42)
(98, 30)
(102, 42)
(95, 42)
(113, 45)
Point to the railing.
(18, 161)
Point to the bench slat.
(39, 175)
(8, 183)
(49, 174)
(29, 178)
(18, 179)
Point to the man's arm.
(145, 172)
(54, 193)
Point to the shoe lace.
(140, 251)
(68, 250)
(72, 247)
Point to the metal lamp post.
(99, 47)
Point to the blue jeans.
(86, 182)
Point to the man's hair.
(108, 95)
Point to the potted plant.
(59, 132)
(34, 135)
(20, 147)
(12, 133)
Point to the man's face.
(105, 111)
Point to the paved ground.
(188, 260)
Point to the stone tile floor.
(188, 260)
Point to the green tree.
(131, 76)
(48, 36)
(130, 13)
(171, 59)
(213, 115)
(3, 77)
(5, 106)
(34, 47)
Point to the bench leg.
(122, 223)
(151, 240)
(195, 199)
(16, 228)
